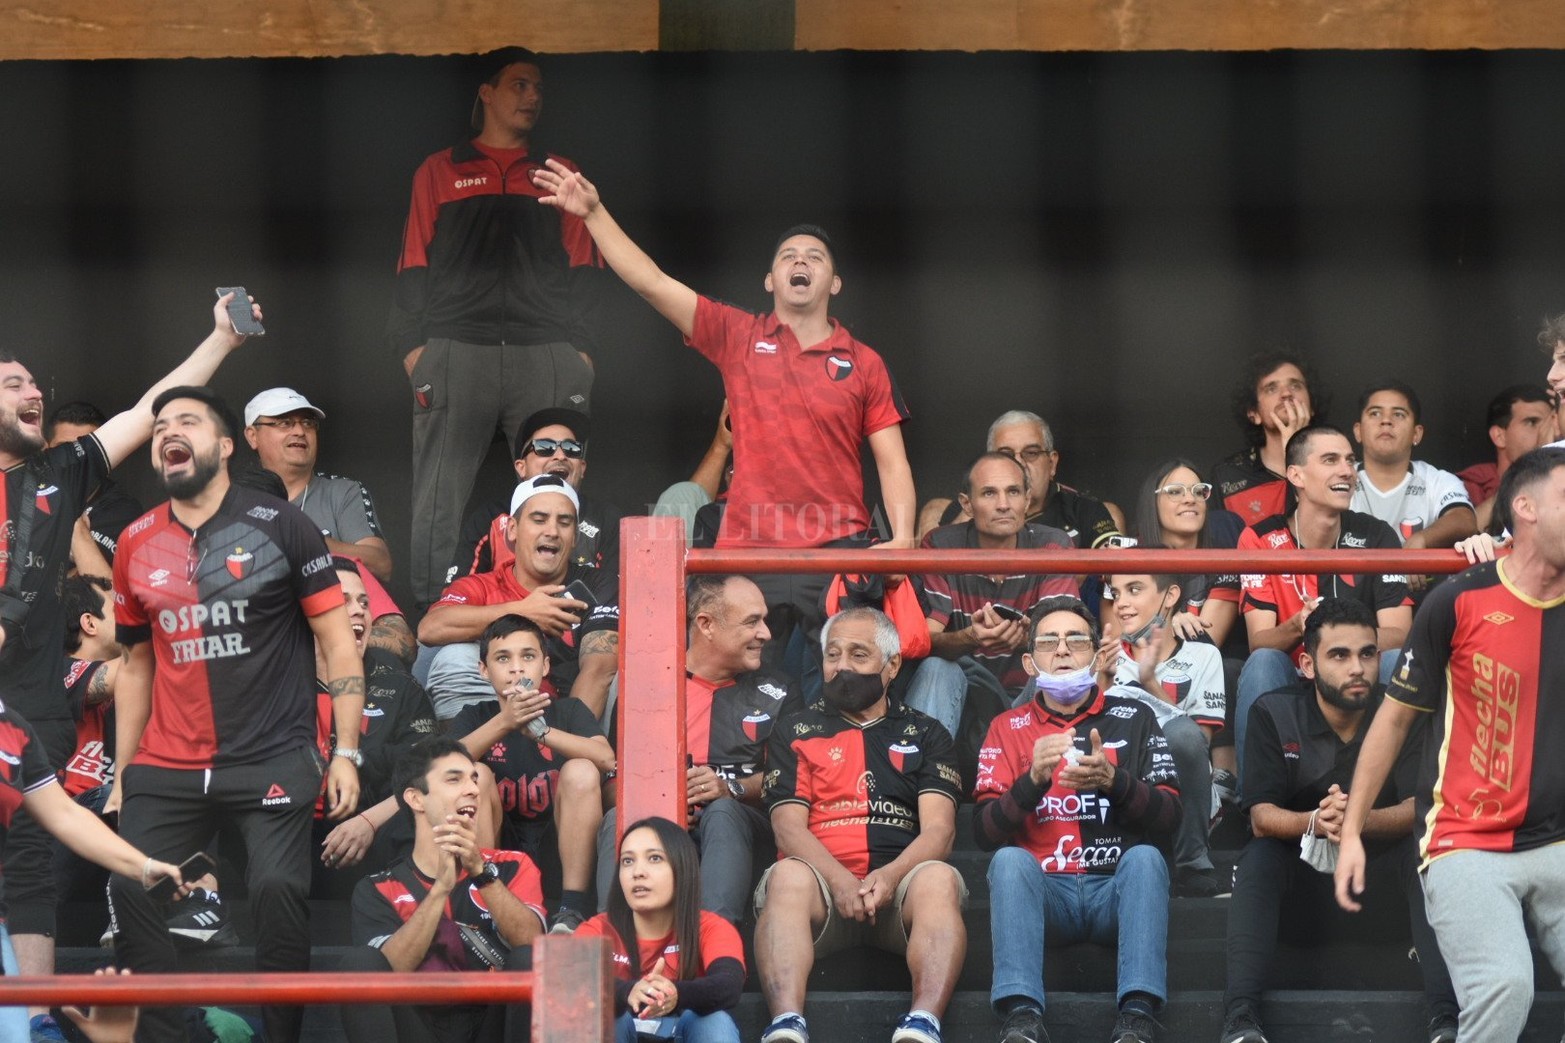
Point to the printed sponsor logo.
(140, 524)
(1072, 807)
(469, 182)
(1499, 619)
(262, 513)
(1349, 540)
(1018, 723)
(765, 347)
(1124, 713)
(158, 578)
(219, 613)
(275, 796)
(774, 691)
(587, 529)
(315, 565)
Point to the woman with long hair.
(1174, 508)
(680, 969)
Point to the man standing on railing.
(803, 396)
(1488, 808)
(217, 595)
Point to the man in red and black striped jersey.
(450, 905)
(1490, 806)
(1322, 474)
(803, 396)
(217, 596)
(1272, 403)
(978, 624)
(1075, 790)
(43, 493)
(732, 705)
(863, 795)
(488, 313)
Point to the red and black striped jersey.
(861, 784)
(1477, 659)
(1249, 488)
(385, 901)
(24, 766)
(226, 608)
(93, 762)
(727, 727)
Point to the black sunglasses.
(569, 446)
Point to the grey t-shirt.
(340, 507)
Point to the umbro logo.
(1499, 619)
(158, 578)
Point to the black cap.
(574, 419)
(489, 65)
(225, 416)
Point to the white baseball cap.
(278, 402)
(543, 483)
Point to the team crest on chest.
(239, 562)
(752, 725)
(44, 492)
(904, 756)
(838, 369)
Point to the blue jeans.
(14, 1027)
(940, 688)
(1128, 909)
(716, 1027)
(1268, 670)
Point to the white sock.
(926, 1014)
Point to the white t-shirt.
(1414, 503)
(1192, 677)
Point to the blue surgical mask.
(1067, 689)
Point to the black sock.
(576, 900)
(1143, 1003)
(1011, 1004)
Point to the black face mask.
(849, 692)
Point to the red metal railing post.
(573, 998)
(651, 711)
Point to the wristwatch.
(353, 757)
(488, 875)
(735, 788)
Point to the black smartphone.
(578, 591)
(239, 313)
(1005, 611)
(195, 867)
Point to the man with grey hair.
(862, 794)
(1026, 438)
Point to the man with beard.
(583, 643)
(1304, 746)
(43, 494)
(223, 587)
(551, 441)
(863, 797)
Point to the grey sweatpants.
(1478, 903)
(462, 393)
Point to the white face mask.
(1067, 689)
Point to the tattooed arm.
(598, 660)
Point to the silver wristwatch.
(353, 757)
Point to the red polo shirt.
(799, 417)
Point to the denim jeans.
(1028, 907)
(13, 1020)
(716, 1027)
(940, 688)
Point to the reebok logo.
(275, 796)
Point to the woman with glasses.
(1174, 509)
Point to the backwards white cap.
(543, 483)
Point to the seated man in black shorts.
(450, 905)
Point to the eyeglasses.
(309, 423)
(1073, 642)
(1179, 490)
(1032, 454)
(569, 446)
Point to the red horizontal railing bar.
(1071, 562)
(306, 989)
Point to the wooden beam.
(1153, 25)
(319, 28)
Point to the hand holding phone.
(192, 868)
(239, 314)
(579, 591)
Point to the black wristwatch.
(488, 875)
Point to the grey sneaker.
(1240, 1025)
(1134, 1027)
(1024, 1026)
(565, 921)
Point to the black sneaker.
(1024, 1025)
(565, 921)
(199, 921)
(1442, 1028)
(1240, 1025)
(1197, 883)
(1134, 1027)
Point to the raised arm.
(120, 435)
(571, 193)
